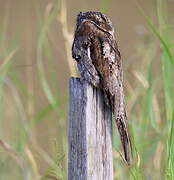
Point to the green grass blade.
(42, 40)
(104, 6)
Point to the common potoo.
(99, 62)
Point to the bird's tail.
(122, 125)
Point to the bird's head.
(98, 18)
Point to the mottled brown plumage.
(99, 63)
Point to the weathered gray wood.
(90, 134)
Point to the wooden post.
(90, 134)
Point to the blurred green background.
(36, 64)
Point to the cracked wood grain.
(90, 133)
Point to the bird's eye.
(98, 22)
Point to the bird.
(99, 63)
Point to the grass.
(33, 137)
